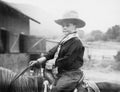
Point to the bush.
(116, 65)
(117, 57)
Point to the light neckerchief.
(69, 36)
(65, 39)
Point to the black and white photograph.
(59, 45)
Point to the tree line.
(112, 34)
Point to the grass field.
(113, 76)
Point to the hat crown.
(71, 14)
(71, 17)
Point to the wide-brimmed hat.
(71, 17)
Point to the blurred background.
(28, 30)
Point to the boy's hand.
(37, 62)
(33, 63)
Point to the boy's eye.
(67, 25)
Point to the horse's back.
(108, 87)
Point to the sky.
(98, 14)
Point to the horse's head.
(22, 84)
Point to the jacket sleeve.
(51, 53)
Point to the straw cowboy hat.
(71, 17)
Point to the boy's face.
(68, 28)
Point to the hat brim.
(78, 22)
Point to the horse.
(35, 83)
(103, 87)
(23, 84)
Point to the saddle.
(87, 84)
(84, 83)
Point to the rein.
(19, 74)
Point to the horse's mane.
(22, 84)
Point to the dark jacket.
(70, 55)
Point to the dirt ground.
(98, 76)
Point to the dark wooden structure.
(17, 47)
(12, 23)
(14, 20)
